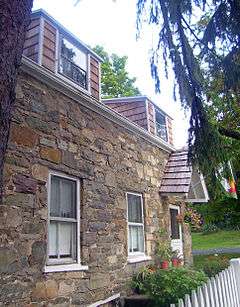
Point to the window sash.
(74, 223)
(75, 68)
(137, 225)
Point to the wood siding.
(151, 118)
(94, 78)
(49, 46)
(134, 111)
(31, 44)
(170, 130)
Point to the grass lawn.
(200, 260)
(222, 238)
(213, 264)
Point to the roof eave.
(43, 13)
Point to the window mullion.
(58, 246)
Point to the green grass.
(222, 238)
(213, 264)
(200, 260)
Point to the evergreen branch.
(229, 133)
(199, 40)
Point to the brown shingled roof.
(177, 174)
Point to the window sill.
(134, 259)
(65, 268)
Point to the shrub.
(209, 228)
(193, 218)
(167, 286)
(215, 264)
(224, 213)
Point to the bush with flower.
(193, 218)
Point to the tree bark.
(14, 19)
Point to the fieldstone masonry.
(52, 132)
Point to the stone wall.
(52, 132)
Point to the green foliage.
(193, 218)
(220, 239)
(115, 81)
(205, 56)
(167, 286)
(212, 264)
(209, 228)
(224, 212)
(163, 250)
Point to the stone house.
(87, 182)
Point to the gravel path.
(221, 250)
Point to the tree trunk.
(14, 19)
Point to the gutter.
(44, 75)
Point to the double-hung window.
(73, 62)
(135, 224)
(161, 127)
(63, 229)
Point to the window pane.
(52, 248)
(67, 240)
(73, 63)
(175, 233)
(74, 54)
(134, 208)
(161, 126)
(55, 196)
(136, 239)
(68, 198)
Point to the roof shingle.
(177, 174)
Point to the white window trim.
(166, 124)
(175, 207)
(61, 265)
(68, 80)
(136, 256)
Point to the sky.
(112, 24)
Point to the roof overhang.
(182, 180)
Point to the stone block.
(40, 172)
(65, 288)
(99, 281)
(39, 252)
(39, 124)
(45, 290)
(23, 136)
(88, 133)
(68, 159)
(50, 154)
(24, 184)
(47, 142)
(7, 258)
(20, 200)
(110, 179)
(38, 106)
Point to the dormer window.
(161, 127)
(73, 62)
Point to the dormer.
(50, 45)
(145, 113)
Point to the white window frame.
(59, 36)
(166, 125)
(132, 255)
(53, 265)
(176, 207)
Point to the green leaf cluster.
(115, 80)
(201, 40)
(165, 287)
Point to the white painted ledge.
(65, 268)
(109, 299)
(134, 259)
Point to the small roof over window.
(182, 179)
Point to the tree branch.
(229, 133)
